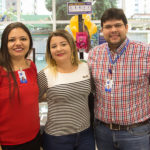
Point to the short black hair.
(113, 13)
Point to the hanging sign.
(79, 8)
(82, 40)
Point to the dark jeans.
(31, 145)
(133, 139)
(79, 141)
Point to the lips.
(114, 35)
(18, 49)
(60, 54)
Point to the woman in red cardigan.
(19, 111)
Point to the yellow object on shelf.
(73, 27)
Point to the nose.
(18, 42)
(59, 47)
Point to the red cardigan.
(19, 118)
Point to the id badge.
(108, 85)
(22, 77)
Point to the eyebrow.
(19, 37)
(61, 42)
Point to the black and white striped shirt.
(67, 97)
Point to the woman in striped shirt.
(66, 82)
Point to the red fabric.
(19, 118)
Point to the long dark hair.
(5, 58)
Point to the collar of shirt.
(118, 50)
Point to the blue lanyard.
(122, 51)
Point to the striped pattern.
(129, 101)
(67, 97)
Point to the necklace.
(21, 66)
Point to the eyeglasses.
(117, 26)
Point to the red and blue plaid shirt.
(129, 100)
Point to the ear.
(126, 27)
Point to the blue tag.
(108, 85)
(22, 77)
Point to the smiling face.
(114, 32)
(18, 43)
(60, 50)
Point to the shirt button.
(112, 95)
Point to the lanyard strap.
(118, 56)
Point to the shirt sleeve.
(42, 83)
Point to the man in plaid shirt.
(120, 69)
